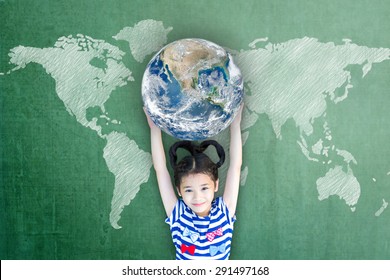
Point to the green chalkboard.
(76, 177)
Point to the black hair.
(197, 162)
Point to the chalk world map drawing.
(294, 80)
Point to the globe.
(191, 89)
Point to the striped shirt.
(197, 237)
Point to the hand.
(150, 122)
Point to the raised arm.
(165, 186)
(230, 194)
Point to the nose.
(196, 195)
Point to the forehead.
(196, 179)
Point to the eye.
(188, 191)
(205, 188)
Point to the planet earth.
(192, 89)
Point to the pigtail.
(187, 145)
(220, 151)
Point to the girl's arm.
(165, 186)
(230, 194)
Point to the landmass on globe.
(185, 58)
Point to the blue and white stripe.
(188, 229)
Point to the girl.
(201, 226)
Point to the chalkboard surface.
(77, 180)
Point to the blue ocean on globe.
(192, 89)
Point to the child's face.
(197, 191)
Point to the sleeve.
(222, 205)
(176, 213)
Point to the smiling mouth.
(198, 204)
